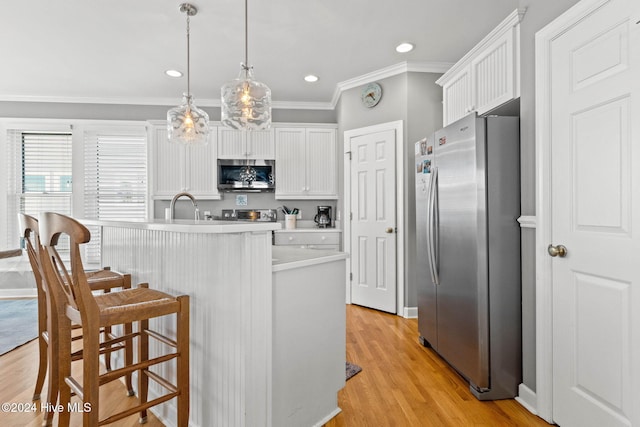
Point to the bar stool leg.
(51, 352)
(42, 345)
(128, 357)
(182, 332)
(91, 371)
(64, 368)
(143, 355)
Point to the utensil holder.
(289, 222)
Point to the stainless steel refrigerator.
(468, 249)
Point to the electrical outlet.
(299, 216)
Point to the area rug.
(352, 369)
(18, 323)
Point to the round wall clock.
(371, 95)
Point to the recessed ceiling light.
(173, 73)
(404, 47)
(311, 78)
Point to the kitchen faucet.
(172, 206)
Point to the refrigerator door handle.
(432, 228)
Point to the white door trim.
(397, 126)
(544, 324)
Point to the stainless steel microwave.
(246, 175)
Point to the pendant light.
(187, 124)
(246, 103)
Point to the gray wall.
(537, 16)
(415, 99)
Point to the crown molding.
(393, 70)
(164, 102)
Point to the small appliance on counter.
(323, 217)
(261, 215)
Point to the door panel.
(462, 241)
(373, 221)
(595, 197)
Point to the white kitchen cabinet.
(175, 168)
(487, 76)
(306, 163)
(308, 239)
(255, 144)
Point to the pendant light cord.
(188, 56)
(246, 35)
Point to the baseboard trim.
(410, 312)
(328, 417)
(527, 398)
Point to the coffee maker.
(323, 217)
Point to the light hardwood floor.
(18, 371)
(401, 383)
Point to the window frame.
(78, 129)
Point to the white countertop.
(189, 225)
(288, 257)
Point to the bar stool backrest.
(69, 278)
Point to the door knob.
(559, 250)
(389, 230)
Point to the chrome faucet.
(172, 206)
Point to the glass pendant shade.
(246, 103)
(187, 124)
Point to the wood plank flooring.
(401, 384)
(18, 371)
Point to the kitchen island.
(261, 351)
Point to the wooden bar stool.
(104, 280)
(93, 312)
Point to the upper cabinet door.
(231, 144)
(306, 163)
(201, 171)
(322, 163)
(165, 166)
(290, 162)
(487, 76)
(493, 73)
(260, 144)
(235, 144)
(456, 95)
(174, 168)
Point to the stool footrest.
(113, 375)
(138, 408)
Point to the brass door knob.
(389, 230)
(559, 250)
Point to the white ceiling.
(115, 51)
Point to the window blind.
(40, 177)
(115, 180)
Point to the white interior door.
(373, 220)
(595, 202)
